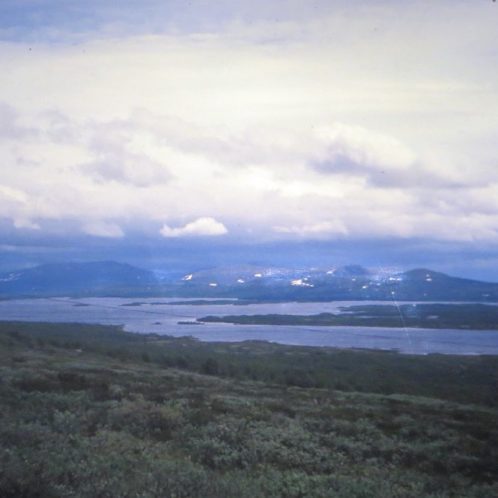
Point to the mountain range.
(353, 282)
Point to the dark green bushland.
(90, 411)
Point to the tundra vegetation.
(92, 411)
(429, 316)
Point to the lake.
(146, 315)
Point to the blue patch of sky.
(62, 20)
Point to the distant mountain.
(431, 285)
(351, 271)
(96, 278)
(351, 282)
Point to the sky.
(205, 132)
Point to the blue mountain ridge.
(353, 282)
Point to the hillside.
(92, 411)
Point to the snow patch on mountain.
(301, 282)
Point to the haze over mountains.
(352, 282)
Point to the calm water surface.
(164, 318)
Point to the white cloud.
(365, 148)
(13, 194)
(324, 228)
(201, 227)
(103, 229)
(348, 116)
(23, 223)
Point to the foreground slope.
(91, 411)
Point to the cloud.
(10, 125)
(338, 121)
(366, 148)
(133, 169)
(315, 230)
(25, 223)
(103, 229)
(13, 194)
(121, 152)
(201, 227)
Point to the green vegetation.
(92, 411)
(430, 316)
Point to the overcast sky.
(251, 121)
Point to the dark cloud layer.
(180, 257)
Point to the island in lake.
(429, 316)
